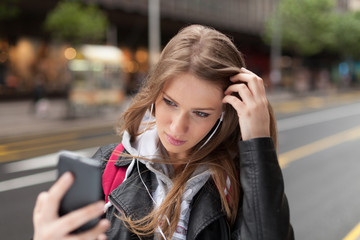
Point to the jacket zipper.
(229, 231)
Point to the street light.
(275, 56)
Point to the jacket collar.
(206, 208)
(206, 205)
(123, 161)
(130, 197)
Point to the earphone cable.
(142, 180)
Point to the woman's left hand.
(252, 106)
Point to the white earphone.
(212, 134)
(222, 116)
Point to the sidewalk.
(17, 118)
(285, 102)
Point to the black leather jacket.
(263, 212)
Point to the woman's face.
(186, 110)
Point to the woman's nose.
(179, 124)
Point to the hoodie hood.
(147, 145)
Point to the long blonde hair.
(212, 56)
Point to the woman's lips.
(173, 141)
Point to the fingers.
(253, 82)
(76, 219)
(39, 202)
(60, 228)
(251, 104)
(56, 193)
(235, 102)
(48, 225)
(95, 233)
(41, 199)
(102, 237)
(249, 86)
(243, 91)
(47, 203)
(61, 186)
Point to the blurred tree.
(75, 22)
(348, 34)
(8, 9)
(307, 26)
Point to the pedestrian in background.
(41, 104)
(199, 151)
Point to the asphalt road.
(320, 153)
(318, 150)
(24, 147)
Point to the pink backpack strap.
(113, 176)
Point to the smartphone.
(87, 187)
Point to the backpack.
(113, 175)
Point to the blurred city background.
(69, 68)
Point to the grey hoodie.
(147, 145)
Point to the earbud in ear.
(222, 116)
(151, 108)
(212, 134)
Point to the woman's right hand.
(252, 106)
(49, 226)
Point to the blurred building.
(352, 5)
(243, 20)
(245, 16)
(26, 49)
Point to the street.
(321, 179)
(318, 152)
(70, 69)
(19, 147)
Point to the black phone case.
(86, 188)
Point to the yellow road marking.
(320, 145)
(354, 234)
(9, 155)
(46, 139)
(40, 143)
(288, 107)
(317, 146)
(314, 102)
(45, 146)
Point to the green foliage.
(75, 22)
(348, 34)
(307, 26)
(8, 9)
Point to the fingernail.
(67, 175)
(102, 237)
(105, 222)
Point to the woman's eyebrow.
(196, 108)
(170, 98)
(207, 109)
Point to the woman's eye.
(169, 102)
(202, 114)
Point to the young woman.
(199, 149)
